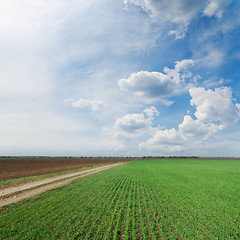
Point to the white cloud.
(131, 127)
(176, 11)
(180, 12)
(168, 140)
(209, 56)
(157, 84)
(46, 49)
(216, 8)
(193, 128)
(184, 65)
(179, 33)
(54, 49)
(238, 107)
(211, 44)
(151, 112)
(214, 82)
(149, 84)
(214, 105)
(135, 124)
(132, 123)
(214, 112)
(95, 105)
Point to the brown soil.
(32, 189)
(11, 168)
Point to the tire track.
(30, 190)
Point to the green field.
(150, 199)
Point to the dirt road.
(32, 189)
(12, 168)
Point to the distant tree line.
(99, 157)
(170, 157)
(63, 157)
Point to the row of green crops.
(144, 199)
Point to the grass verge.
(22, 180)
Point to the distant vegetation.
(61, 157)
(98, 157)
(180, 157)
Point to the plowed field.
(24, 167)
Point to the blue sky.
(120, 78)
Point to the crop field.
(143, 199)
(23, 167)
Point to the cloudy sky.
(120, 78)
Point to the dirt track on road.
(32, 189)
(12, 168)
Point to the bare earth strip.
(40, 186)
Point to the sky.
(120, 78)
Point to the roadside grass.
(144, 199)
(22, 180)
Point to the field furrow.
(138, 200)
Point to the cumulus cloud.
(156, 84)
(215, 111)
(131, 126)
(132, 123)
(135, 123)
(149, 84)
(167, 140)
(214, 105)
(95, 105)
(191, 128)
(183, 65)
(180, 12)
